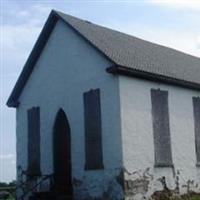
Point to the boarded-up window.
(196, 107)
(161, 128)
(93, 138)
(34, 141)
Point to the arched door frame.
(62, 154)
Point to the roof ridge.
(127, 34)
(164, 64)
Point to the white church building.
(102, 115)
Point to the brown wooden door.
(62, 154)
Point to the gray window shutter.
(161, 128)
(93, 138)
(196, 107)
(34, 141)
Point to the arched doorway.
(62, 154)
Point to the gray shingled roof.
(138, 54)
(131, 56)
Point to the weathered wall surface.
(66, 69)
(141, 178)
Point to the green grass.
(187, 198)
(195, 198)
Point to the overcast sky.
(174, 23)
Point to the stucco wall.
(68, 67)
(142, 179)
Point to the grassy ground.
(184, 198)
(195, 198)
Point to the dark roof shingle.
(140, 57)
(138, 54)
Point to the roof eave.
(12, 104)
(35, 53)
(130, 72)
(13, 100)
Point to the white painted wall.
(137, 136)
(66, 69)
